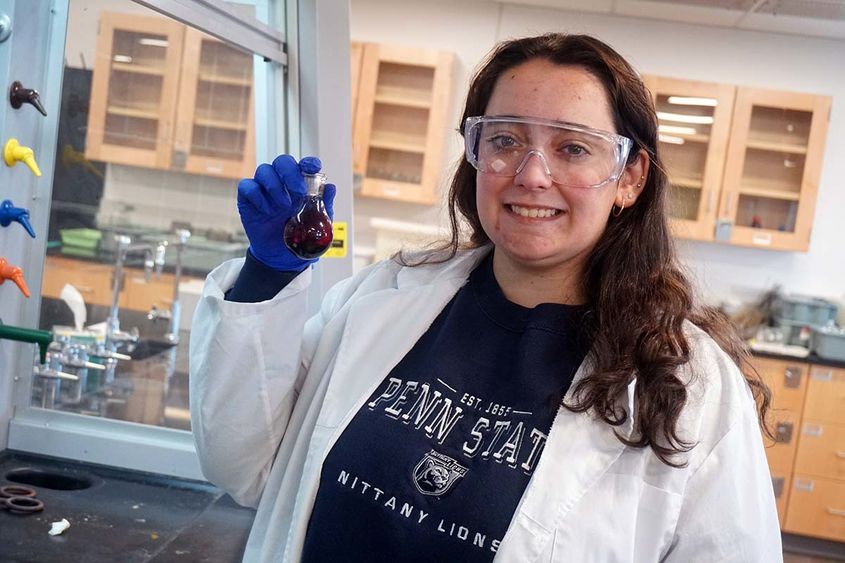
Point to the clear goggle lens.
(572, 155)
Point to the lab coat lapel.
(380, 330)
(383, 326)
(579, 450)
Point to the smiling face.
(535, 223)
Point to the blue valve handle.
(9, 213)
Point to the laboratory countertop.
(121, 516)
(811, 359)
(136, 261)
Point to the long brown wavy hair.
(638, 297)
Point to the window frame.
(119, 443)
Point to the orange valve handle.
(14, 273)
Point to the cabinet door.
(215, 135)
(694, 122)
(401, 122)
(788, 383)
(826, 395)
(821, 451)
(143, 295)
(134, 89)
(773, 167)
(816, 508)
(93, 281)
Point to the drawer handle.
(836, 511)
(813, 430)
(822, 375)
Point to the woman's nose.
(534, 171)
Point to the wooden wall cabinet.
(167, 96)
(695, 120)
(773, 168)
(743, 163)
(400, 120)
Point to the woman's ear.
(633, 179)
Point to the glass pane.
(774, 168)
(152, 139)
(684, 135)
(767, 213)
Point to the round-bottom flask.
(308, 233)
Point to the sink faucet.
(173, 315)
(153, 260)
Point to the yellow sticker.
(338, 247)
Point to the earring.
(618, 213)
(629, 195)
(641, 182)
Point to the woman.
(545, 392)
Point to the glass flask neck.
(314, 183)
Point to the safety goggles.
(572, 155)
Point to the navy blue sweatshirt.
(436, 460)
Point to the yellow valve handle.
(14, 152)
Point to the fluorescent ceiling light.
(677, 129)
(688, 101)
(122, 59)
(670, 139)
(150, 42)
(684, 118)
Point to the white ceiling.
(817, 18)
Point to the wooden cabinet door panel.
(773, 167)
(821, 450)
(826, 395)
(816, 508)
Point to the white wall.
(787, 62)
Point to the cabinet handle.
(777, 485)
(803, 485)
(836, 511)
(792, 377)
(822, 375)
(783, 431)
(813, 430)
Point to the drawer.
(816, 508)
(781, 453)
(93, 281)
(821, 450)
(781, 483)
(826, 395)
(787, 380)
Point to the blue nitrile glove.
(267, 201)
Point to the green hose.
(41, 337)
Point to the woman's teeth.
(533, 211)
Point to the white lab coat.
(269, 399)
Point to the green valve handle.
(41, 337)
